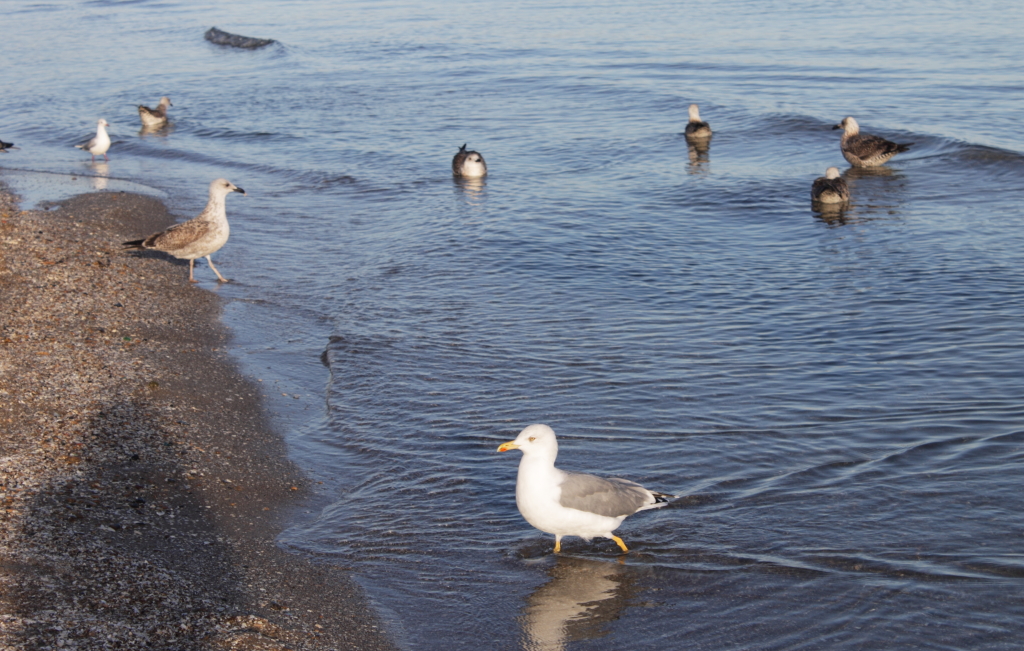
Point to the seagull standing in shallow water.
(199, 237)
(468, 163)
(830, 188)
(155, 117)
(696, 128)
(100, 143)
(569, 503)
(865, 150)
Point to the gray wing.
(179, 236)
(693, 127)
(866, 147)
(459, 159)
(822, 185)
(609, 497)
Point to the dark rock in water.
(215, 35)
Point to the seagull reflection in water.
(700, 159)
(472, 188)
(160, 131)
(574, 605)
(100, 179)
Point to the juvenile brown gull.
(696, 128)
(865, 150)
(155, 117)
(468, 163)
(198, 237)
(569, 503)
(100, 143)
(830, 188)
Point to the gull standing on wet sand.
(569, 503)
(865, 150)
(198, 237)
(100, 143)
(830, 188)
(468, 163)
(155, 117)
(696, 128)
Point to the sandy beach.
(141, 486)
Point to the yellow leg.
(558, 546)
(622, 545)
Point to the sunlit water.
(837, 398)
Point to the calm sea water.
(838, 398)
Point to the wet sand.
(141, 487)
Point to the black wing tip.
(134, 244)
(663, 498)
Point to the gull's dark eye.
(533, 438)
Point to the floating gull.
(100, 143)
(468, 163)
(695, 128)
(864, 150)
(5, 146)
(198, 237)
(830, 188)
(157, 117)
(568, 503)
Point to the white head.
(694, 113)
(222, 188)
(165, 102)
(102, 123)
(535, 440)
(849, 126)
(832, 173)
(474, 165)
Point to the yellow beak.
(511, 445)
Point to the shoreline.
(141, 485)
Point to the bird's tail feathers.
(134, 244)
(662, 498)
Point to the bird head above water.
(849, 125)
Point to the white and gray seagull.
(830, 188)
(569, 503)
(152, 118)
(468, 163)
(100, 143)
(199, 237)
(697, 128)
(865, 150)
